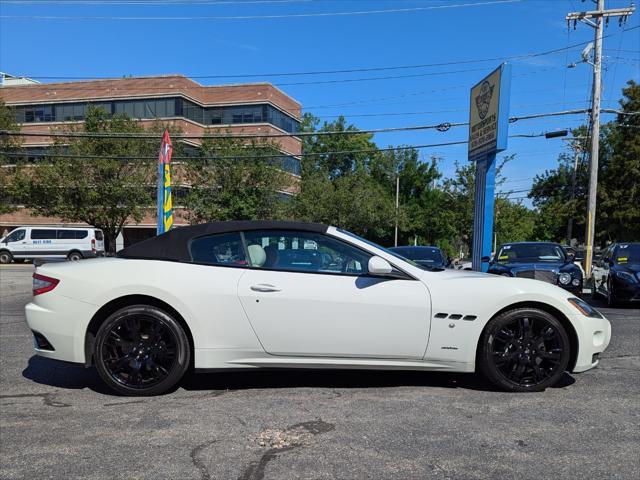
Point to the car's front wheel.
(522, 350)
(141, 350)
(5, 257)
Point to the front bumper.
(594, 335)
(65, 332)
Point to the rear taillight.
(93, 245)
(43, 284)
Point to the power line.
(444, 126)
(307, 154)
(257, 17)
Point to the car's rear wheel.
(524, 350)
(141, 350)
(5, 257)
(74, 256)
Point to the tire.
(612, 301)
(74, 256)
(141, 350)
(5, 257)
(524, 350)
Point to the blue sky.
(193, 46)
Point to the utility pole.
(577, 150)
(595, 19)
(395, 242)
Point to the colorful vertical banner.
(165, 210)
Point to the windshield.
(390, 252)
(627, 253)
(531, 252)
(429, 255)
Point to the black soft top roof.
(174, 245)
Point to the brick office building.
(258, 108)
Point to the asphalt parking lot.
(58, 421)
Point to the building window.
(161, 108)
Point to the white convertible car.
(299, 295)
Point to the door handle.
(264, 287)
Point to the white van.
(74, 243)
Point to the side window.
(41, 234)
(15, 236)
(305, 252)
(80, 234)
(224, 249)
(66, 234)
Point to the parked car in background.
(27, 243)
(425, 256)
(462, 264)
(544, 261)
(616, 275)
(578, 256)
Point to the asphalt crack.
(199, 463)
(281, 441)
(47, 398)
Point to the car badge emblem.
(483, 99)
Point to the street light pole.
(596, 20)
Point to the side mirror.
(571, 257)
(610, 262)
(379, 266)
(485, 259)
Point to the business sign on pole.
(488, 133)
(489, 113)
(165, 209)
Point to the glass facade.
(153, 108)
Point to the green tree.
(230, 180)
(618, 210)
(12, 178)
(101, 182)
(338, 188)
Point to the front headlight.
(626, 276)
(564, 278)
(584, 308)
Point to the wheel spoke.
(139, 351)
(527, 350)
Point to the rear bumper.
(65, 333)
(594, 335)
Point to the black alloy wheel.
(141, 350)
(524, 350)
